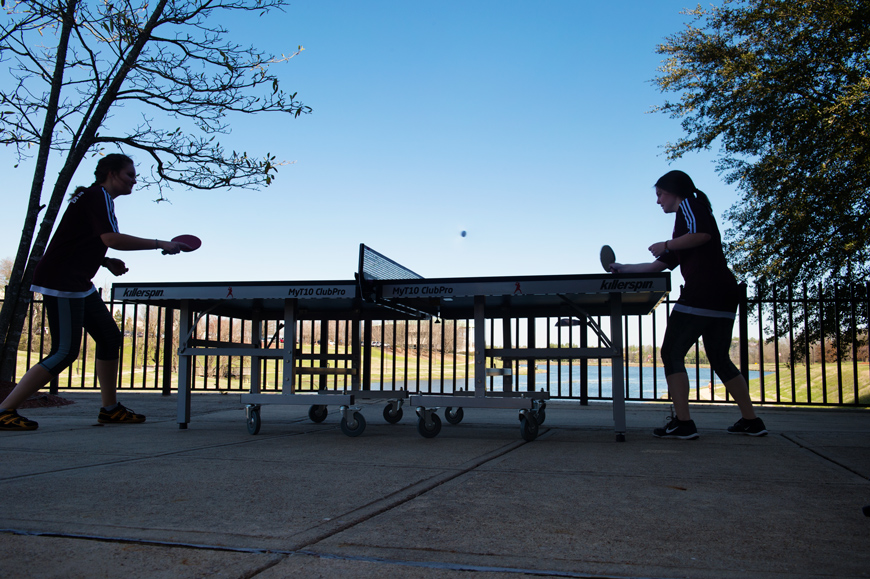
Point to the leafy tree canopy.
(782, 90)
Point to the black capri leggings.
(66, 319)
(682, 333)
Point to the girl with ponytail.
(706, 308)
(75, 253)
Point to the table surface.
(449, 298)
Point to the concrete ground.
(303, 499)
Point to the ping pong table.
(385, 290)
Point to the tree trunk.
(13, 314)
(18, 294)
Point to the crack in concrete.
(821, 455)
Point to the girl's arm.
(124, 242)
(687, 241)
(652, 267)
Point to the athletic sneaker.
(11, 420)
(754, 427)
(682, 429)
(119, 415)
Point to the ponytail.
(702, 197)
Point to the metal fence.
(795, 348)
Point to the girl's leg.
(739, 391)
(107, 376)
(717, 343)
(65, 326)
(681, 334)
(678, 388)
(30, 383)
(101, 326)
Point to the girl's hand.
(658, 249)
(116, 266)
(170, 247)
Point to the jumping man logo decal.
(230, 292)
(518, 289)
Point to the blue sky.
(526, 124)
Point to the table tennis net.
(374, 265)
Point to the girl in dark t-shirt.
(76, 251)
(706, 307)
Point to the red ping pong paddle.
(188, 242)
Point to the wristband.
(666, 248)
(156, 244)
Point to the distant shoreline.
(606, 362)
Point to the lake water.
(564, 382)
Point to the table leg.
(184, 360)
(289, 370)
(616, 366)
(479, 346)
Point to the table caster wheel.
(454, 416)
(355, 427)
(392, 416)
(317, 413)
(430, 430)
(253, 421)
(528, 427)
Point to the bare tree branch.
(72, 65)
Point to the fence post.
(743, 324)
(168, 352)
(54, 383)
(584, 366)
